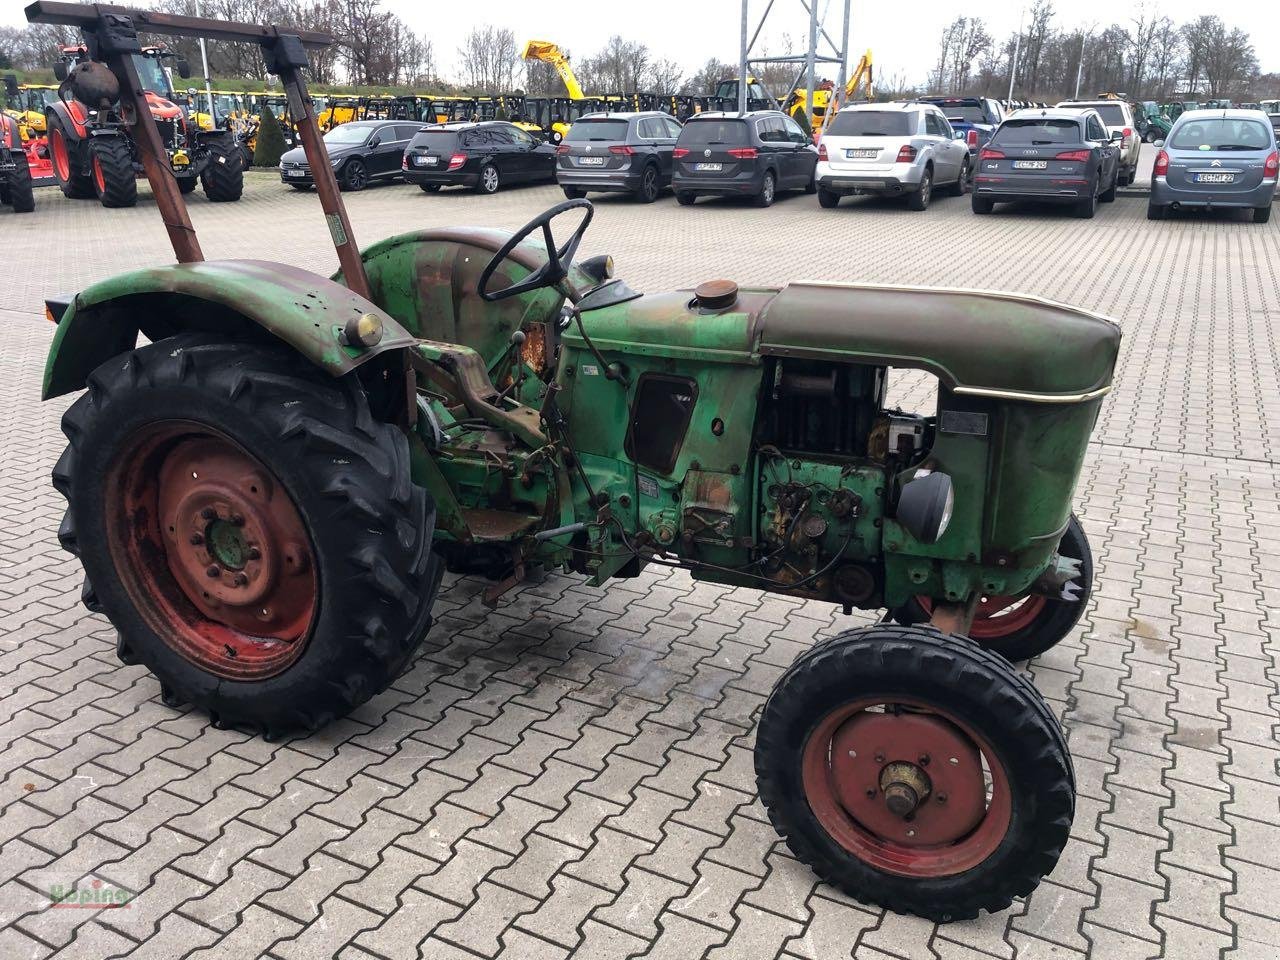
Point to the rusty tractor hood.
(976, 342)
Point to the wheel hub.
(234, 542)
(905, 787)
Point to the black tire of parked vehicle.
(1157, 212)
(982, 204)
(919, 199)
(489, 181)
(768, 188)
(1085, 209)
(21, 196)
(301, 187)
(650, 185)
(186, 184)
(1150, 136)
(113, 178)
(223, 175)
(1262, 214)
(574, 193)
(429, 187)
(686, 199)
(77, 186)
(961, 186)
(828, 199)
(354, 176)
(812, 186)
(1109, 195)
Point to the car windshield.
(346, 135)
(1039, 131)
(964, 112)
(713, 131)
(1221, 133)
(585, 130)
(872, 123)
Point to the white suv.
(1118, 116)
(891, 149)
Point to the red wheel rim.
(996, 617)
(956, 822)
(211, 550)
(58, 147)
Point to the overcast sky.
(691, 31)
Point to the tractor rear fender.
(242, 299)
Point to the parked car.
(975, 117)
(1051, 155)
(891, 149)
(1216, 158)
(1117, 117)
(1274, 120)
(360, 153)
(484, 156)
(618, 153)
(755, 154)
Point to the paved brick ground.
(570, 775)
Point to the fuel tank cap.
(716, 294)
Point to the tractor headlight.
(925, 505)
(363, 331)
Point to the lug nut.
(237, 520)
(255, 553)
(196, 539)
(239, 579)
(871, 792)
(208, 513)
(214, 571)
(879, 758)
(942, 798)
(924, 759)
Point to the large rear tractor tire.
(21, 195)
(916, 771)
(113, 178)
(1020, 628)
(74, 184)
(223, 176)
(250, 530)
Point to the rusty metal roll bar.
(111, 36)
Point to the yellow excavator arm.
(548, 52)
(862, 77)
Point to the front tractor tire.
(915, 771)
(249, 529)
(1020, 628)
(223, 174)
(111, 164)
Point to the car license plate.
(294, 173)
(1215, 178)
(1030, 164)
(709, 167)
(591, 161)
(862, 154)
(426, 161)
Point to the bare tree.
(490, 59)
(708, 75)
(1225, 56)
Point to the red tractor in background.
(15, 173)
(93, 154)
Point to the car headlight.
(925, 505)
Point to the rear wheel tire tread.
(22, 195)
(111, 155)
(223, 175)
(380, 553)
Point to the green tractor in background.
(266, 494)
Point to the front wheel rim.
(211, 550)
(768, 188)
(490, 178)
(907, 788)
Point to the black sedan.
(1061, 156)
(360, 153)
(483, 156)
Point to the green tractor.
(265, 495)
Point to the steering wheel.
(558, 261)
